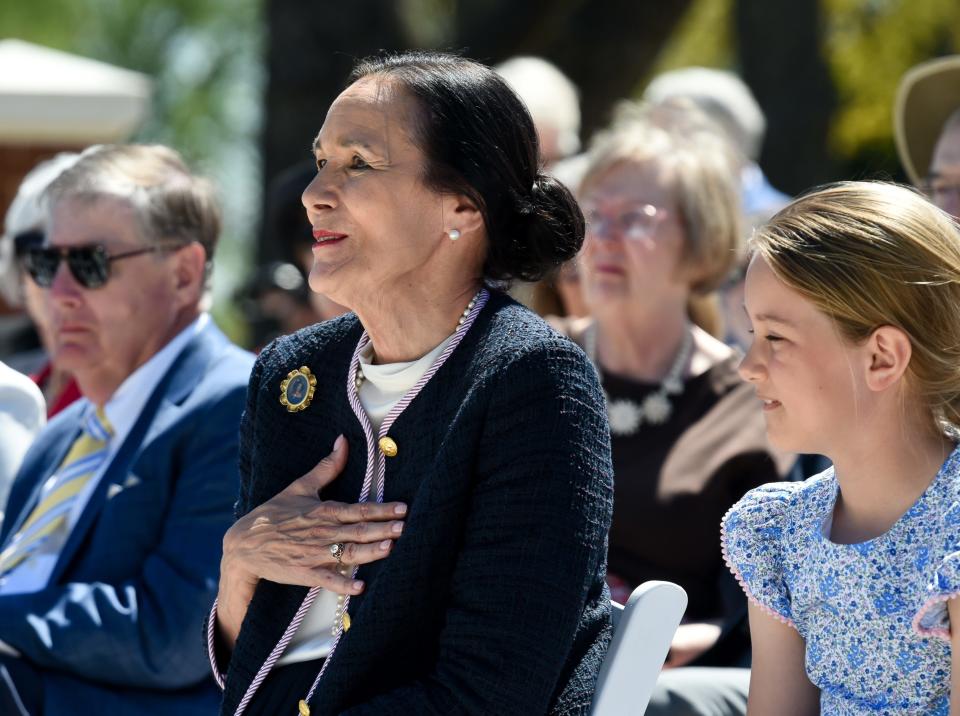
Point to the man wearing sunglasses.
(110, 547)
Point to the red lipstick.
(322, 237)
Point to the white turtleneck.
(385, 385)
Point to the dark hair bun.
(480, 141)
(547, 230)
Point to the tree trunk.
(311, 49)
(779, 48)
(605, 47)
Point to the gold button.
(346, 621)
(388, 447)
(304, 708)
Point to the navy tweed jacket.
(493, 600)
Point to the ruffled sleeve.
(932, 619)
(751, 535)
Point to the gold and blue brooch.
(296, 390)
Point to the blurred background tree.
(824, 71)
(869, 44)
(602, 45)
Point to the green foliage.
(205, 59)
(428, 23)
(869, 45)
(704, 38)
(45, 22)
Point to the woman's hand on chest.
(297, 538)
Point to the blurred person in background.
(275, 301)
(552, 100)
(288, 228)
(111, 541)
(927, 130)
(554, 103)
(24, 228)
(22, 414)
(727, 100)
(660, 197)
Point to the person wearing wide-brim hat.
(927, 129)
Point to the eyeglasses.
(26, 240)
(90, 265)
(636, 224)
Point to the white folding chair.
(642, 632)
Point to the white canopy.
(52, 97)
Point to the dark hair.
(480, 141)
(286, 224)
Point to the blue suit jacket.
(119, 629)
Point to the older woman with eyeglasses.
(660, 198)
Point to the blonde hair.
(704, 170)
(872, 254)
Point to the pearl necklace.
(358, 376)
(627, 416)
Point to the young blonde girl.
(853, 293)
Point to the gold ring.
(336, 549)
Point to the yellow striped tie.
(49, 518)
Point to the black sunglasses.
(26, 240)
(90, 265)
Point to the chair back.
(643, 629)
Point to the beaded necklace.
(627, 416)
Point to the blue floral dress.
(873, 615)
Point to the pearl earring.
(454, 234)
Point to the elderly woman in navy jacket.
(448, 555)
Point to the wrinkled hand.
(287, 540)
(690, 641)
